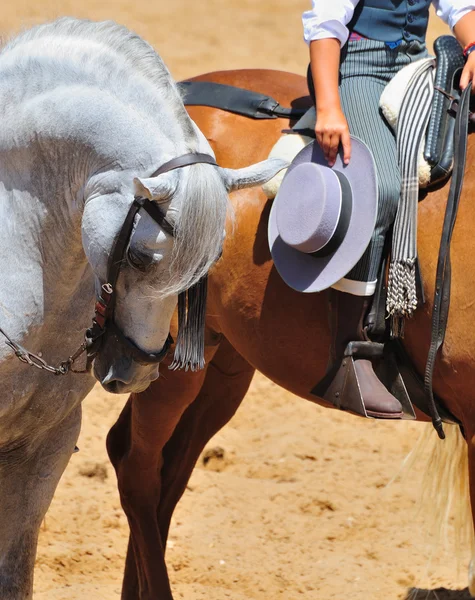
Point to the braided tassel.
(190, 346)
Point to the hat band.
(343, 222)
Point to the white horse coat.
(86, 108)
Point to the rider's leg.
(360, 91)
(366, 69)
(352, 301)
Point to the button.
(410, 18)
(411, 2)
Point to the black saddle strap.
(440, 309)
(236, 100)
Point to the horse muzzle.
(121, 375)
(121, 366)
(121, 381)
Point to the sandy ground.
(299, 506)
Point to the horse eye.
(138, 261)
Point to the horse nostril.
(115, 381)
(114, 386)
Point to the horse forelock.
(203, 207)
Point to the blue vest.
(391, 20)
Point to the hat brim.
(308, 273)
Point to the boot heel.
(390, 375)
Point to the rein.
(441, 305)
(192, 302)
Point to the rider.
(356, 48)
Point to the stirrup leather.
(344, 391)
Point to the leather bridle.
(103, 319)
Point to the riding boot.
(363, 388)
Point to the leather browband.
(184, 161)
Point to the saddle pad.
(288, 146)
(390, 104)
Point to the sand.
(298, 505)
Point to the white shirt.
(329, 18)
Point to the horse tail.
(445, 488)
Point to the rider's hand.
(331, 130)
(468, 73)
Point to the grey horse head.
(156, 266)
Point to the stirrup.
(344, 391)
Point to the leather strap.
(415, 384)
(449, 60)
(184, 161)
(441, 306)
(236, 100)
(157, 214)
(140, 356)
(121, 241)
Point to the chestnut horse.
(256, 322)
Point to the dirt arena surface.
(298, 505)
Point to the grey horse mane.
(122, 56)
(137, 54)
(199, 227)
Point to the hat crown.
(309, 215)
(316, 271)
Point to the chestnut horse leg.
(470, 436)
(227, 381)
(135, 445)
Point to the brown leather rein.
(441, 305)
(103, 319)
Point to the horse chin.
(119, 387)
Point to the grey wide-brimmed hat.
(322, 218)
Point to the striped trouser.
(367, 66)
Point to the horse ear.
(160, 188)
(258, 174)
